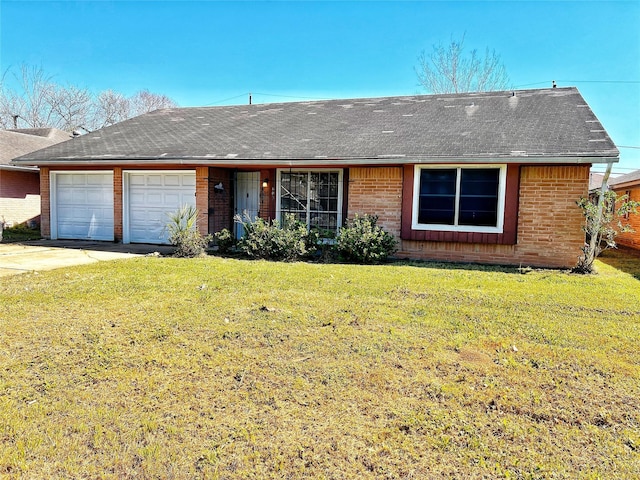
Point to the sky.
(216, 53)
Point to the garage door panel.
(96, 197)
(97, 180)
(190, 181)
(171, 198)
(172, 181)
(152, 197)
(154, 181)
(84, 206)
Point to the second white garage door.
(149, 198)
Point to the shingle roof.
(595, 180)
(537, 124)
(628, 178)
(14, 143)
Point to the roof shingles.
(548, 123)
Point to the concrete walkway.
(42, 255)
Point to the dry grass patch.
(219, 368)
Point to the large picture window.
(314, 197)
(459, 198)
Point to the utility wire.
(226, 99)
(629, 82)
(289, 96)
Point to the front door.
(247, 198)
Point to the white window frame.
(339, 171)
(502, 187)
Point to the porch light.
(265, 183)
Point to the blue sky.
(215, 53)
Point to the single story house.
(488, 177)
(20, 185)
(629, 184)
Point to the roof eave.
(17, 168)
(328, 160)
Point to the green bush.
(275, 241)
(184, 235)
(225, 240)
(18, 233)
(363, 241)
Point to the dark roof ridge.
(418, 96)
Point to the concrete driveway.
(42, 255)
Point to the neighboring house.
(475, 177)
(595, 181)
(629, 184)
(20, 185)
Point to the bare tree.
(144, 101)
(30, 103)
(72, 106)
(36, 101)
(449, 70)
(111, 107)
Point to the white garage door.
(82, 205)
(151, 197)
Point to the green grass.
(225, 368)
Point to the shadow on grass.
(474, 267)
(396, 262)
(624, 259)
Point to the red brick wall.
(45, 203)
(117, 204)
(202, 199)
(268, 195)
(220, 209)
(377, 190)
(631, 239)
(549, 221)
(19, 196)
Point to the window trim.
(502, 188)
(340, 173)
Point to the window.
(314, 197)
(454, 198)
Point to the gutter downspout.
(595, 237)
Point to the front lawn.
(233, 369)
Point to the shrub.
(225, 240)
(275, 241)
(18, 233)
(183, 234)
(363, 241)
(605, 219)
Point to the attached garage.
(82, 205)
(149, 196)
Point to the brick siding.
(219, 210)
(45, 203)
(377, 190)
(118, 231)
(19, 197)
(268, 195)
(631, 239)
(549, 222)
(202, 199)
